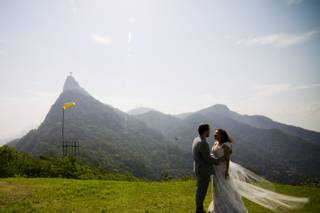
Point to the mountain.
(139, 110)
(151, 144)
(160, 122)
(277, 151)
(108, 137)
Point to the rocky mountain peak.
(72, 85)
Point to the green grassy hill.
(69, 195)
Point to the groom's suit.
(203, 168)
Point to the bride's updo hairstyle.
(224, 136)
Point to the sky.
(176, 56)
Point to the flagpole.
(64, 143)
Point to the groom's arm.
(205, 154)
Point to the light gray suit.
(203, 168)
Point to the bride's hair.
(224, 136)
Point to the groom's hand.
(222, 159)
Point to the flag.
(69, 105)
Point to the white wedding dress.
(227, 193)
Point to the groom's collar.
(203, 138)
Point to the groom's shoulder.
(196, 139)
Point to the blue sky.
(257, 57)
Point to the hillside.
(68, 195)
(279, 152)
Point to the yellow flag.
(69, 105)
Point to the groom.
(203, 164)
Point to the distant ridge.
(139, 110)
(278, 151)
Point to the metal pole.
(63, 145)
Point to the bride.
(232, 181)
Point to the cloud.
(103, 40)
(292, 2)
(279, 39)
(274, 89)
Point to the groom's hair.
(202, 128)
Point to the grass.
(68, 195)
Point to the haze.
(176, 56)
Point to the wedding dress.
(241, 182)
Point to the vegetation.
(14, 163)
(65, 185)
(70, 195)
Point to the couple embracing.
(230, 180)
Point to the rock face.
(108, 137)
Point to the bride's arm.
(227, 153)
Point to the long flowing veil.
(259, 190)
